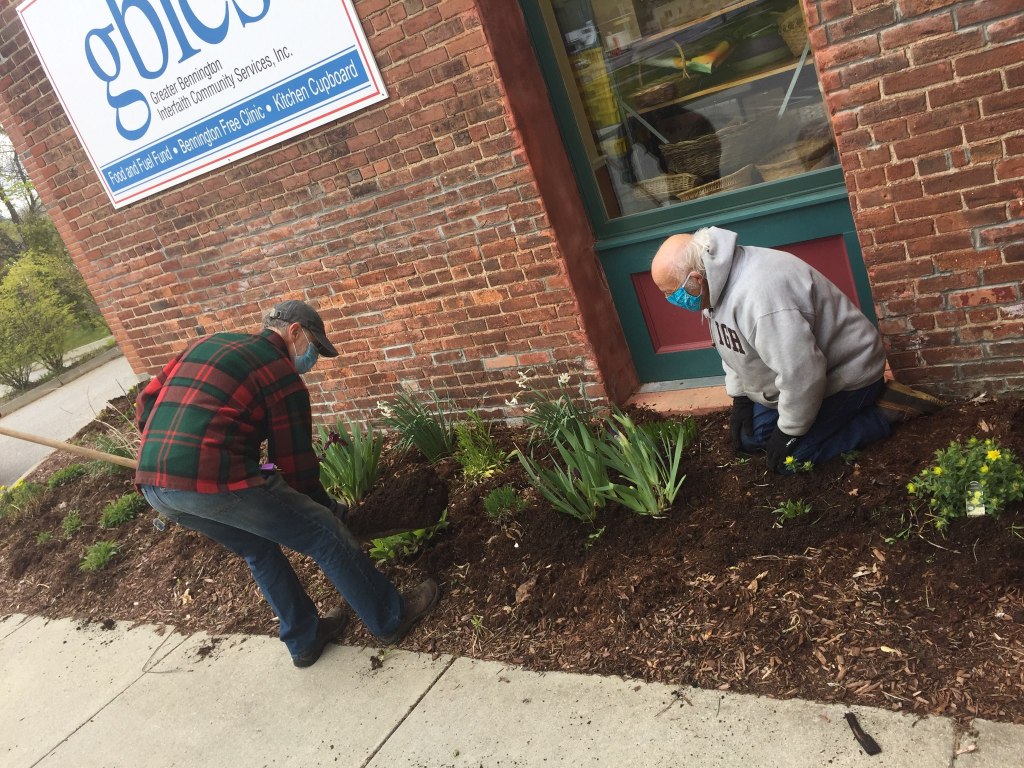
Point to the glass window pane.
(678, 100)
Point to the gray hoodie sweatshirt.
(787, 336)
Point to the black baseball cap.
(294, 311)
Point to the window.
(677, 100)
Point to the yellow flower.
(790, 460)
(911, 488)
(984, 468)
(994, 454)
(937, 470)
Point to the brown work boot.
(899, 402)
(331, 627)
(416, 603)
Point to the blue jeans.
(255, 522)
(846, 421)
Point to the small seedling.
(502, 503)
(791, 510)
(593, 537)
(798, 466)
(121, 511)
(43, 536)
(98, 556)
(850, 457)
(406, 543)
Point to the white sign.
(160, 91)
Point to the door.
(679, 114)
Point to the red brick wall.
(927, 98)
(417, 226)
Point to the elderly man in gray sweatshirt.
(802, 363)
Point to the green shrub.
(350, 462)
(71, 524)
(33, 323)
(945, 485)
(121, 511)
(98, 556)
(425, 427)
(66, 475)
(476, 453)
(43, 536)
(501, 503)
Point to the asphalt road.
(59, 415)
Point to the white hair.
(692, 257)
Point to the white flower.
(385, 409)
(563, 379)
(529, 410)
(513, 401)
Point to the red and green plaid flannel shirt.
(205, 416)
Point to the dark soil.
(860, 602)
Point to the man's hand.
(780, 445)
(741, 421)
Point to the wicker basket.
(744, 177)
(804, 155)
(793, 29)
(699, 156)
(665, 187)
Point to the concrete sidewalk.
(85, 696)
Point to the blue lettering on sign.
(132, 114)
(340, 77)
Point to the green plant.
(549, 419)
(406, 543)
(33, 324)
(66, 475)
(503, 502)
(791, 510)
(944, 484)
(121, 511)
(43, 536)
(647, 459)
(98, 556)
(351, 460)
(476, 452)
(425, 427)
(17, 499)
(579, 485)
(71, 523)
(798, 466)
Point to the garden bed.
(857, 602)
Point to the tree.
(34, 324)
(59, 274)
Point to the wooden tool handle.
(82, 451)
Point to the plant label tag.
(975, 500)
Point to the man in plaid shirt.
(203, 421)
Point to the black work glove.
(780, 445)
(339, 509)
(741, 421)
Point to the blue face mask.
(304, 363)
(685, 300)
